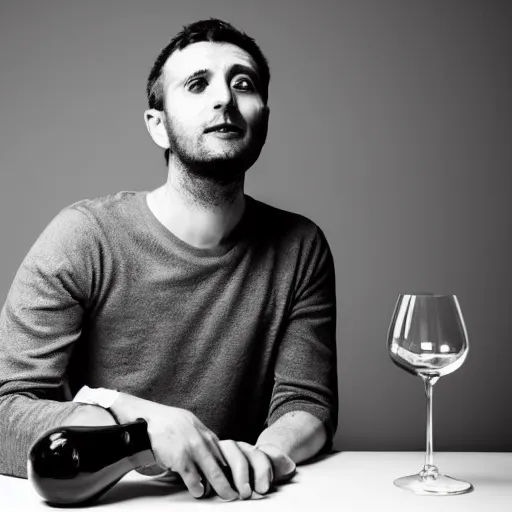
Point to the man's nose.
(222, 95)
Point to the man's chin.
(222, 168)
(224, 153)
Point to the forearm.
(22, 421)
(298, 434)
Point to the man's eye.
(244, 84)
(197, 85)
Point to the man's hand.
(256, 469)
(284, 466)
(180, 442)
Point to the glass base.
(429, 482)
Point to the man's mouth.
(224, 128)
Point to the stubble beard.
(207, 180)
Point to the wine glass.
(427, 337)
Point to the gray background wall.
(391, 127)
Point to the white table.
(347, 481)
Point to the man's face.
(216, 119)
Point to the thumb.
(283, 466)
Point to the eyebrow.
(195, 74)
(235, 70)
(241, 68)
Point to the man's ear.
(156, 127)
(267, 112)
(265, 115)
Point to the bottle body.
(71, 465)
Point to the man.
(211, 315)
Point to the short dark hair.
(212, 30)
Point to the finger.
(283, 466)
(209, 466)
(151, 470)
(239, 467)
(192, 479)
(208, 490)
(171, 477)
(213, 442)
(261, 466)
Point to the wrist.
(128, 408)
(274, 441)
(123, 407)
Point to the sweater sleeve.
(40, 321)
(305, 376)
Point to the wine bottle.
(73, 464)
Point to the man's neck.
(196, 222)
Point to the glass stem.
(429, 456)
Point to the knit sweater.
(239, 334)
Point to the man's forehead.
(205, 55)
